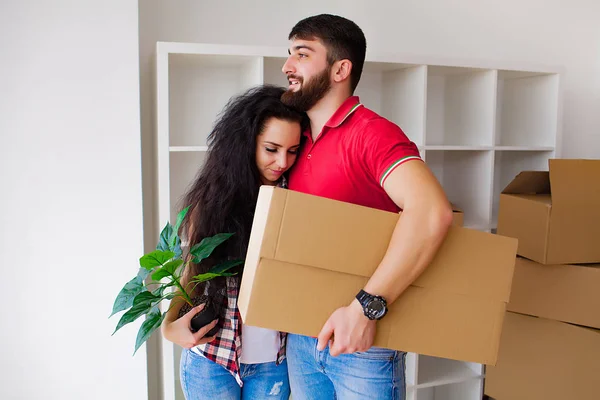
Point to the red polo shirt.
(351, 158)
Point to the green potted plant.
(159, 272)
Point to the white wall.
(71, 204)
(509, 31)
(548, 32)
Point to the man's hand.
(351, 330)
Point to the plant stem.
(177, 283)
(183, 292)
(175, 280)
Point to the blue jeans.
(203, 379)
(314, 375)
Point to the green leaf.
(143, 273)
(152, 322)
(175, 233)
(167, 270)
(218, 270)
(207, 276)
(125, 297)
(155, 259)
(205, 248)
(142, 303)
(172, 295)
(160, 273)
(159, 291)
(172, 266)
(177, 248)
(165, 237)
(225, 266)
(180, 218)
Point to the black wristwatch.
(374, 307)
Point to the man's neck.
(323, 110)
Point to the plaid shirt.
(226, 349)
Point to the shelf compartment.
(526, 109)
(199, 88)
(397, 92)
(471, 389)
(466, 177)
(435, 371)
(184, 167)
(508, 164)
(460, 106)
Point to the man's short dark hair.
(342, 38)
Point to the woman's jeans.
(203, 379)
(314, 375)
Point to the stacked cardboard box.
(550, 344)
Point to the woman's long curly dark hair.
(224, 194)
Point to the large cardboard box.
(555, 214)
(546, 360)
(569, 293)
(309, 256)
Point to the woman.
(254, 142)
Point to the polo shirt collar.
(344, 111)
(347, 108)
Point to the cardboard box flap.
(469, 262)
(529, 182)
(575, 183)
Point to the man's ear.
(341, 70)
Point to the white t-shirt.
(259, 345)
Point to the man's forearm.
(416, 239)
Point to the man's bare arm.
(419, 233)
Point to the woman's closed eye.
(274, 150)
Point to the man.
(352, 154)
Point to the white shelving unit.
(476, 124)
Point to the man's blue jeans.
(203, 379)
(314, 375)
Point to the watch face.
(376, 308)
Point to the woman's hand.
(179, 332)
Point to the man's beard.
(308, 95)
